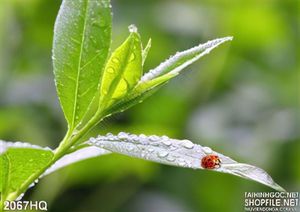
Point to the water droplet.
(171, 159)
(95, 24)
(153, 138)
(20, 196)
(110, 70)
(187, 144)
(93, 140)
(167, 142)
(207, 150)
(109, 134)
(154, 144)
(150, 150)
(115, 60)
(134, 138)
(142, 136)
(130, 148)
(173, 148)
(132, 28)
(123, 135)
(162, 154)
(181, 162)
(132, 57)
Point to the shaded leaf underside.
(182, 153)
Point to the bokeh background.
(241, 100)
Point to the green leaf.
(18, 163)
(175, 64)
(157, 77)
(181, 153)
(122, 72)
(82, 38)
(146, 50)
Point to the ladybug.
(210, 162)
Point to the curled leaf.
(122, 71)
(182, 153)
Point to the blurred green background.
(241, 100)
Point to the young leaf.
(18, 162)
(74, 157)
(181, 60)
(182, 153)
(164, 72)
(146, 50)
(122, 71)
(82, 38)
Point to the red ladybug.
(210, 162)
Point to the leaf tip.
(278, 188)
(132, 28)
(229, 38)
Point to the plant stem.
(69, 140)
(67, 144)
(2, 202)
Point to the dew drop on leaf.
(115, 60)
(130, 148)
(167, 142)
(110, 70)
(123, 135)
(132, 28)
(171, 159)
(162, 154)
(207, 150)
(187, 144)
(132, 57)
(181, 162)
(150, 150)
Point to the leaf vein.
(79, 65)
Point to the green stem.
(69, 140)
(3, 198)
(66, 145)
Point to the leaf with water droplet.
(82, 38)
(182, 153)
(18, 162)
(175, 64)
(122, 71)
(157, 77)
